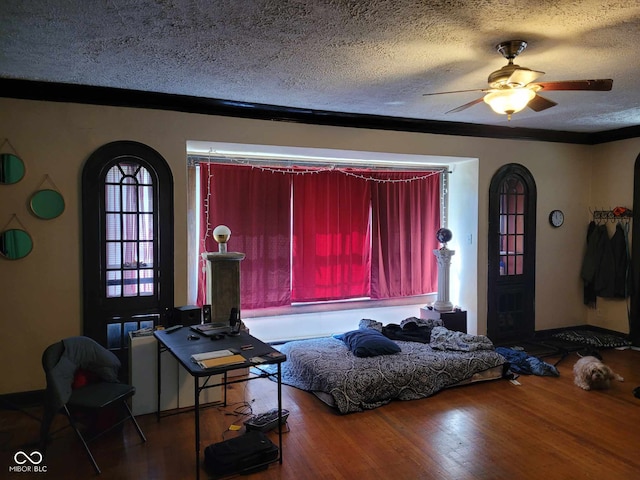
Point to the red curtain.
(406, 217)
(349, 237)
(255, 205)
(331, 243)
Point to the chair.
(61, 363)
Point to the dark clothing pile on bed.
(411, 332)
(432, 332)
(412, 329)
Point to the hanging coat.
(621, 263)
(598, 269)
(606, 275)
(588, 268)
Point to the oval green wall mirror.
(15, 244)
(11, 168)
(47, 204)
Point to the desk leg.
(196, 383)
(158, 378)
(225, 389)
(280, 409)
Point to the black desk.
(179, 345)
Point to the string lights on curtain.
(300, 169)
(444, 195)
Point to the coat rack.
(617, 214)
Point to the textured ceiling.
(369, 57)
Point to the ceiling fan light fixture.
(512, 87)
(508, 101)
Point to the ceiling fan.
(512, 88)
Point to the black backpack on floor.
(248, 453)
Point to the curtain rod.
(193, 160)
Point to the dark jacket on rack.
(622, 278)
(588, 268)
(598, 266)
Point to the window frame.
(193, 214)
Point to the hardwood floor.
(545, 428)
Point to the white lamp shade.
(221, 233)
(509, 100)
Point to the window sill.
(338, 306)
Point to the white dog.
(591, 374)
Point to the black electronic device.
(245, 454)
(266, 421)
(186, 315)
(206, 313)
(173, 329)
(234, 321)
(211, 329)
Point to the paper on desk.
(217, 362)
(196, 357)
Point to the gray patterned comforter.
(357, 384)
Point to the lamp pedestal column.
(223, 284)
(443, 255)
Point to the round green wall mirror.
(47, 204)
(15, 244)
(11, 168)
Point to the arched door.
(127, 224)
(512, 251)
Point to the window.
(319, 234)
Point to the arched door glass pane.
(512, 226)
(129, 241)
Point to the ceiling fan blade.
(466, 105)
(523, 76)
(601, 85)
(539, 103)
(455, 91)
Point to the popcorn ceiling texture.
(370, 56)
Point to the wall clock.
(556, 218)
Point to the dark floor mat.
(562, 345)
(592, 338)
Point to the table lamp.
(221, 235)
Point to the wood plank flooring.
(546, 428)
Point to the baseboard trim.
(22, 400)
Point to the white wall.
(463, 223)
(41, 295)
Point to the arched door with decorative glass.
(127, 214)
(512, 245)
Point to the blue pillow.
(368, 343)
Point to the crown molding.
(85, 94)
